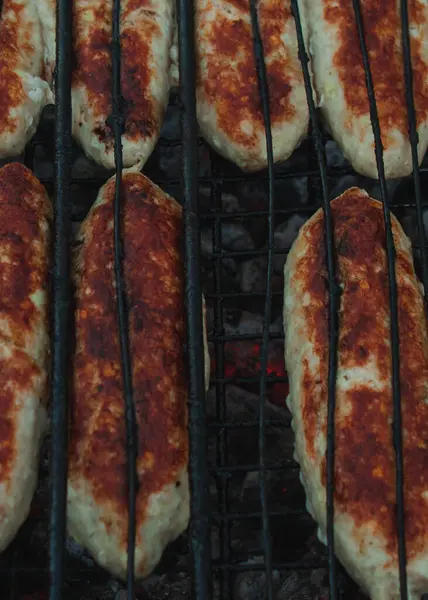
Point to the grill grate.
(199, 524)
(264, 95)
(118, 126)
(60, 301)
(202, 184)
(333, 308)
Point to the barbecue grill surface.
(234, 229)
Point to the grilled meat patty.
(365, 495)
(97, 490)
(25, 214)
(228, 100)
(340, 80)
(146, 37)
(22, 91)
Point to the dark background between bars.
(23, 567)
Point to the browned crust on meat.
(24, 211)
(365, 459)
(382, 26)
(153, 273)
(17, 374)
(234, 92)
(93, 71)
(14, 40)
(24, 207)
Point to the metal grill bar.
(243, 216)
(243, 468)
(334, 173)
(221, 409)
(199, 504)
(302, 512)
(264, 97)
(413, 137)
(248, 253)
(280, 566)
(232, 295)
(395, 340)
(61, 301)
(254, 214)
(333, 304)
(117, 122)
(199, 473)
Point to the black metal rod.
(200, 541)
(394, 332)
(60, 301)
(414, 140)
(117, 122)
(264, 97)
(220, 387)
(333, 306)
